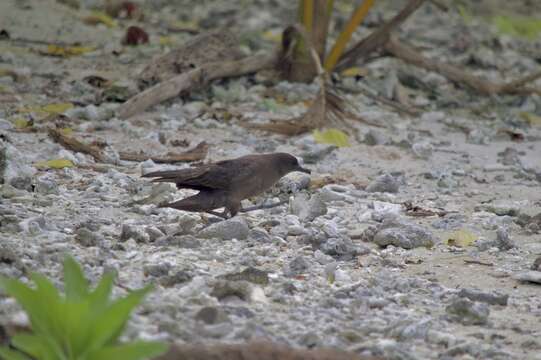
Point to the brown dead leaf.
(98, 17)
(513, 135)
(414, 210)
(196, 154)
(97, 81)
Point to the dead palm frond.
(329, 108)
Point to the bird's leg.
(264, 206)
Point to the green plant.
(83, 324)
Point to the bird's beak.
(300, 168)
(304, 170)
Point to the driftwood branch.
(378, 38)
(193, 79)
(412, 56)
(196, 154)
(403, 109)
(73, 144)
(261, 350)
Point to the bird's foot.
(264, 206)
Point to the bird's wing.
(219, 176)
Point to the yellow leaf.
(532, 119)
(54, 164)
(66, 131)
(50, 109)
(460, 238)
(98, 17)
(354, 72)
(527, 27)
(464, 13)
(272, 35)
(180, 25)
(353, 23)
(331, 136)
(21, 123)
(66, 51)
(166, 40)
(57, 108)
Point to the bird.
(226, 183)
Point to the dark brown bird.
(226, 183)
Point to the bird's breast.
(255, 186)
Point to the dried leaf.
(54, 164)
(354, 72)
(464, 13)
(532, 119)
(47, 110)
(461, 238)
(283, 127)
(184, 26)
(272, 35)
(22, 123)
(526, 27)
(66, 131)
(331, 136)
(57, 108)
(165, 41)
(66, 51)
(9, 72)
(98, 17)
(97, 81)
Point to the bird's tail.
(163, 176)
(202, 201)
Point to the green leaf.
(139, 350)
(331, 136)
(8, 354)
(29, 300)
(108, 326)
(51, 304)
(82, 324)
(75, 283)
(30, 344)
(39, 347)
(78, 326)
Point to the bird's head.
(288, 163)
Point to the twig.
(440, 5)
(197, 153)
(192, 79)
(477, 262)
(73, 144)
(377, 98)
(378, 38)
(23, 41)
(456, 74)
